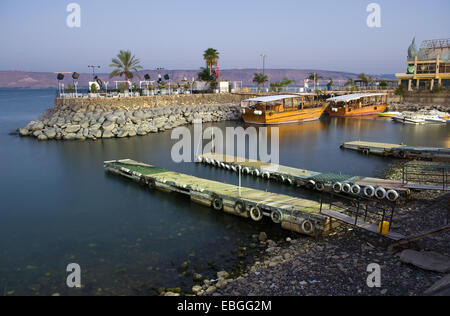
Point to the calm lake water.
(58, 206)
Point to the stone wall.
(135, 103)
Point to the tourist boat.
(281, 109)
(357, 104)
(389, 114)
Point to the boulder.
(72, 129)
(426, 260)
(107, 134)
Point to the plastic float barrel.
(256, 214)
(227, 166)
(234, 168)
(380, 193)
(217, 204)
(356, 189)
(337, 187)
(276, 216)
(320, 186)
(346, 188)
(392, 195)
(239, 207)
(265, 175)
(256, 172)
(307, 227)
(246, 170)
(310, 184)
(288, 181)
(199, 159)
(383, 228)
(369, 191)
(222, 165)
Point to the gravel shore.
(336, 264)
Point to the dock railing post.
(240, 168)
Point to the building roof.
(352, 97)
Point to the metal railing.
(361, 208)
(429, 174)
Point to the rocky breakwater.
(98, 123)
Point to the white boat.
(408, 119)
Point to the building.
(428, 67)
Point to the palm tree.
(350, 82)
(126, 65)
(260, 79)
(314, 77)
(211, 56)
(363, 79)
(286, 82)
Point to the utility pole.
(264, 66)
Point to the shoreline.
(336, 264)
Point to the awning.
(352, 97)
(271, 98)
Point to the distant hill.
(38, 80)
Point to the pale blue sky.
(321, 34)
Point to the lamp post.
(93, 69)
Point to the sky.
(296, 34)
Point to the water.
(58, 206)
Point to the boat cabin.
(358, 104)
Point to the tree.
(363, 79)
(383, 84)
(204, 74)
(286, 82)
(276, 86)
(350, 82)
(260, 79)
(126, 65)
(314, 77)
(211, 56)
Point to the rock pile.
(71, 124)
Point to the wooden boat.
(357, 104)
(389, 114)
(281, 109)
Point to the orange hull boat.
(357, 104)
(283, 109)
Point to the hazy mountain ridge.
(37, 80)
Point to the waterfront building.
(427, 67)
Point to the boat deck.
(398, 150)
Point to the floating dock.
(294, 214)
(399, 150)
(338, 183)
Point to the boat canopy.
(352, 97)
(271, 98)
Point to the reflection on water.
(59, 207)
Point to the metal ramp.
(362, 213)
(360, 224)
